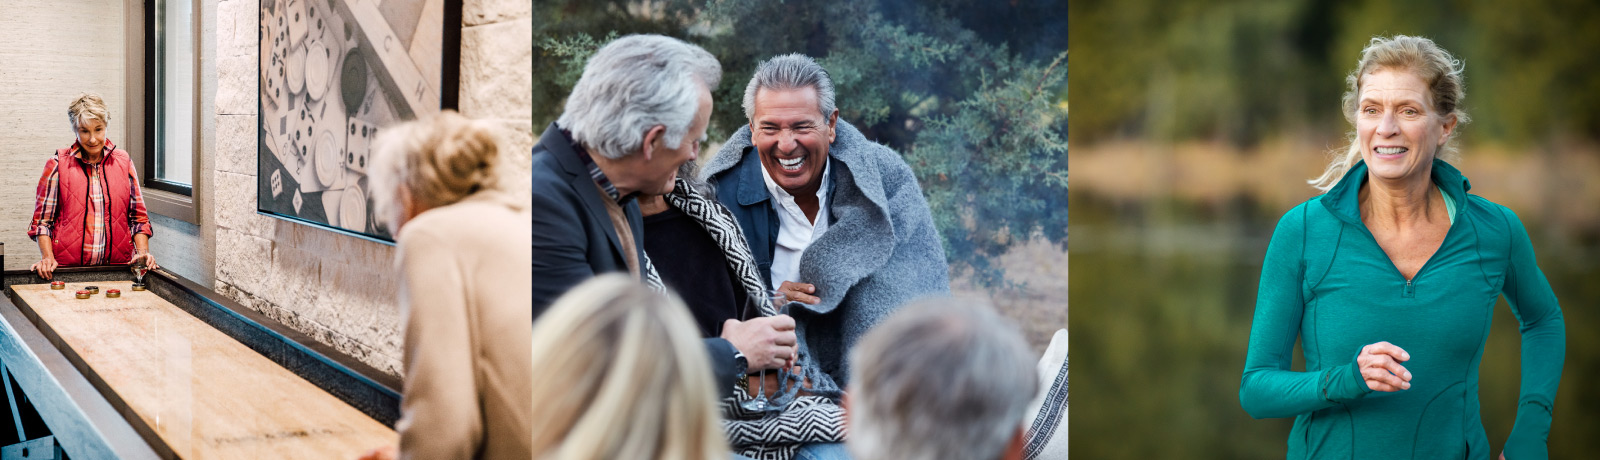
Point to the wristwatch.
(741, 365)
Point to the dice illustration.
(358, 142)
(277, 182)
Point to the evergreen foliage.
(972, 93)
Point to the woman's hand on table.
(1381, 369)
(45, 267)
(149, 260)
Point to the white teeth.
(792, 164)
(1391, 150)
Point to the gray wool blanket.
(880, 251)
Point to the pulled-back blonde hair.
(438, 161)
(623, 374)
(87, 106)
(1422, 57)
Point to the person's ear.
(1449, 127)
(833, 121)
(650, 138)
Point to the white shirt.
(795, 232)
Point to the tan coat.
(468, 329)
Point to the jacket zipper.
(1409, 292)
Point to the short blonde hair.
(1423, 58)
(438, 161)
(623, 374)
(87, 106)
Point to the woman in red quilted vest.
(88, 210)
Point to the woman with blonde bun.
(464, 256)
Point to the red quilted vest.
(72, 206)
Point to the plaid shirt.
(95, 244)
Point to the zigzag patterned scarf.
(766, 435)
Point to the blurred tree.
(1241, 71)
(972, 93)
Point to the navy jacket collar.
(752, 188)
(560, 148)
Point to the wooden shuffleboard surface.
(202, 393)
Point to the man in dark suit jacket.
(638, 113)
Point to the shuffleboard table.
(176, 371)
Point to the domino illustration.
(297, 17)
(358, 143)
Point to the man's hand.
(44, 267)
(1381, 369)
(799, 292)
(767, 342)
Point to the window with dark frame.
(170, 90)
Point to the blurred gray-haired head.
(941, 379)
(790, 71)
(636, 83)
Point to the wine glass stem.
(763, 386)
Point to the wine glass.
(774, 302)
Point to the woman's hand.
(44, 267)
(799, 292)
(149, 260)
(1381, 369)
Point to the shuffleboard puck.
(113, 293)
(83, 294)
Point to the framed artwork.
(335, 73)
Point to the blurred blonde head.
(424, 164)
(87, 107)
(1420, 56)
(623, 374)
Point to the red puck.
(113, 293)
(83, 294)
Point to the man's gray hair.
(636, 83)
(941, 379)
(790, 71)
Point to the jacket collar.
(752, 187)
(105, 151)
(560, 147)
(1343, 200)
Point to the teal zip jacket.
(1326, 281)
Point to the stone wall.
(337, 288)
(43, 65)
